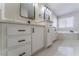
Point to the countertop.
(21, 22)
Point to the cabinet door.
(54, 34)
(49, 37)
(37, 38)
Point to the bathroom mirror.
(47, 14)
(27, 10)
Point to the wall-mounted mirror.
(27, 10)
(47, 14)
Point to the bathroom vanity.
(20, 39)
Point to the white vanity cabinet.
(20, 39)
(37, 38)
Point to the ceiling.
(63, 8)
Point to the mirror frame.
(25, 16)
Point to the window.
(66, 22)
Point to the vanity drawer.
(13, 41)
(22, 51)
(13, 29)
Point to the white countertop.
(21, 22)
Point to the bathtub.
(66, 35)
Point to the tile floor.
(69, 47)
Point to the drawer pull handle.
(33, 30)
(48, 30)
(21, 30)
(22, 54)
(21, 40)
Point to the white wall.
(11, 11)
(76, 21)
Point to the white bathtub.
(68, 35)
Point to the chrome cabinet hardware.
(48, 30)
(33, 30)
(21, 30)
(21, 40)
